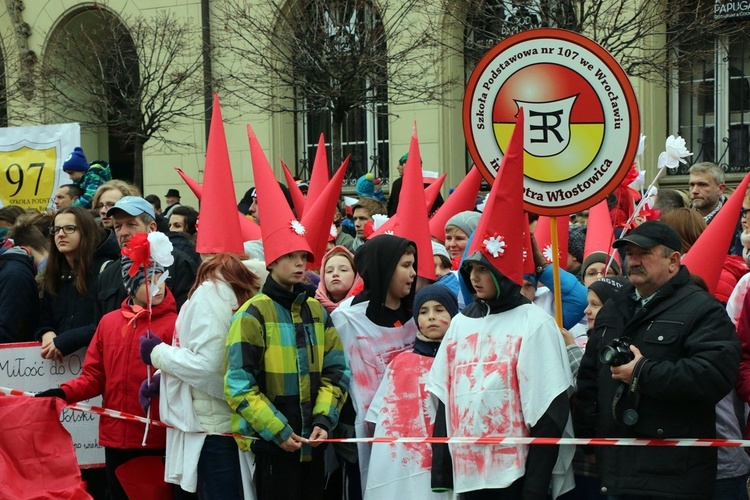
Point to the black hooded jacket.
(376, 262)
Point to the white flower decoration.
(676, 151)
(640, 181)
(378, 220)
(525, 254)
(641, 145)
(161, 248)
(390, 231)
(334, 233)
(547, 252)
(297, 227)
(494, 245)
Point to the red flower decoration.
(368, 229)
(138, 250)
(649, 213)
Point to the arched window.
(91, 73)
(343, 90)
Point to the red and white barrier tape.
(494, 440)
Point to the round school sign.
(580, 115)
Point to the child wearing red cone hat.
(287, 378)
(507, 393)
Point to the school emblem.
(580, 116)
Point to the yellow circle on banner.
(27, 177)
(585, 142)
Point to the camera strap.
(629, 416)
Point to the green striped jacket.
(286, 372)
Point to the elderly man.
(661, 355)
(132, 215)
(707, 189)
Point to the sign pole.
(556, 271)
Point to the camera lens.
(607, 355)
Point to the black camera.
(617, 353)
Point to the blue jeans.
(219, 475)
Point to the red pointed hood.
(249, 229)
(499, 235)
(282, 232)
(463, 198)
(218, 233)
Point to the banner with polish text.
(23, 368)
(31, 161)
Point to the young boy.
(286, 381)
(113, 368)
(502, 369)
(400, 407)
(87, 177)
(377, 324)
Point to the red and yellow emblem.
(581, 126)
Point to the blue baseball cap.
(133, 205)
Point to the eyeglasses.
(69, 229)
(104, 205)
(744, 212)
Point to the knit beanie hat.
(366, 185)
(465, 221)
(76, 161)
(439, 293)
(602, 257)
(439, 249)
(403, 159)
(132, 284)
(608, 287)
(576, 241)
(531, 278)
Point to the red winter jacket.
(113, 368)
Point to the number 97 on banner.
(27, 177)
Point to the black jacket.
(19, 296)
(70, 314)
(693, 358)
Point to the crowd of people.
(383, 336)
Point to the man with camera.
(660, 357)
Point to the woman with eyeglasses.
(107, 195)
(79, 249)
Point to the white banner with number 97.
(31, 161)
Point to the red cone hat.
(249, 229)
(412, 211)
(463, 198)
(499, 236)
(599, 232)
(319, 174)
(282, 233)
(543, 236)
(319, 216)
(430, 195)
(706, 257)
(218, 233)
(298, 199)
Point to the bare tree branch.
(138, 77)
